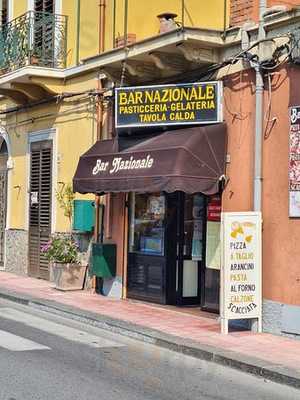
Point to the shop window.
(146, 234)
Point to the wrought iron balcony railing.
(34, 38)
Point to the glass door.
(210, 272)
(146, 255)
(190, 245)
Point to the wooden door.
(40, 207)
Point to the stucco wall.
(281, 250)
(281, 279)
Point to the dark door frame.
(180, 257)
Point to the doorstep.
(272, 357)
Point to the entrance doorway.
(39, 207)
(170, 246)
(3, 198)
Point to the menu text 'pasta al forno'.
(190, 103)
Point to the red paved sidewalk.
(192, 325)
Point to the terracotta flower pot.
(67, 276)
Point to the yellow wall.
(89, 29)
(19, 7)
(143, 21)
(76, 132)
(75, 120)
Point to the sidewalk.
(190, 332)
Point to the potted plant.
(62, 251)
(65, 270)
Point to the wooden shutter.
(40, 207)
(44, 6)
(4, 12)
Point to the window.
(147, 223)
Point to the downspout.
(114, 24)
(182, 13)
(259, 92)
(77, 31)
(224, 21)
(99, 115)
(125, 22)
(99, 118)
(102, 6)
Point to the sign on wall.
(294, 163)
(241, 273)
(182, 104)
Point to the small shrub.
(61, 249)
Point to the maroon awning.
(190, 160)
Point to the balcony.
(33, 39)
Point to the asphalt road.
(48, 357)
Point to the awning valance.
(190, 160)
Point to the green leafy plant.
(61, 249)
(65, 198)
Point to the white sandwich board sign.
(241, 270)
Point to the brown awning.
(190, 160)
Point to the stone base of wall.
(16, 251)
(281, 319)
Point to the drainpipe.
(224, 20)
(114, 23)
(258, 142)
(99, 119)
(99, 116)
(102, 6)
(78, 31)
(259, 92)
(125, 22)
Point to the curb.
(273, 372)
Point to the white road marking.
(63, 331)
(17, 343)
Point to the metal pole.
(258, 144)
(259, 92)
(182, 12)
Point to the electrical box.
(84, 216)
(103, 260)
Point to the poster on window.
(294, 163)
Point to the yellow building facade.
(52, 77)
